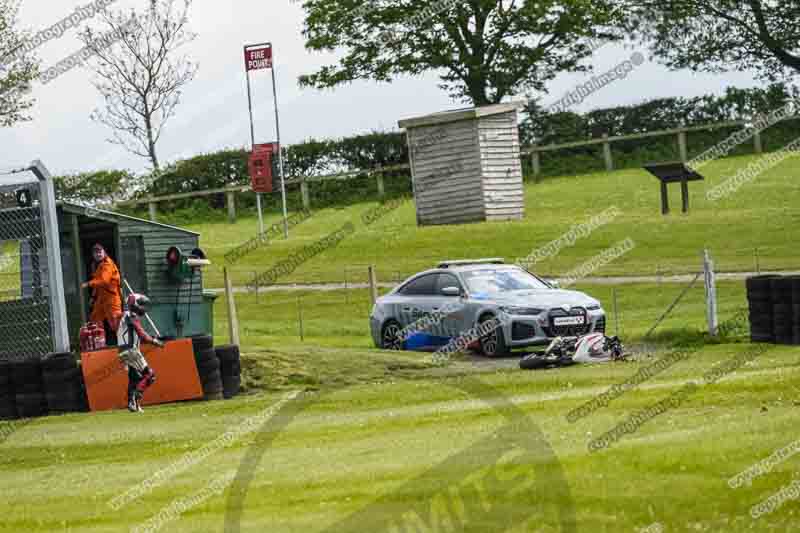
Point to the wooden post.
(233, 322)
(300, 315)
(685, 196)
(759, 148)
(379, 179)
(536, 164)
(711, 294)
(373, 284)
(607, 154)
(682, 150)
(304, 193)
(151, 208)
(664, 199)
(231, 201)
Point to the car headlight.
(594, 307)
(532, 311)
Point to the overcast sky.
(213, 112)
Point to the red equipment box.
(93, 337)
(261, 166)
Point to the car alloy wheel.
(489, 343)
(391, 337)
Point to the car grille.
(567, 331)
(521, 331)
(600, 325)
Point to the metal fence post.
(55, 273)
(711, 294)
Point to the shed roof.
(93, 212)
(456, 115)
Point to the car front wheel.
(493, 343)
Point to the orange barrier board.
(176, 376)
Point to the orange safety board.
(176, 376)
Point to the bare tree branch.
(140, 77)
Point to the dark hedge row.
(361, 152)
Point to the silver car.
(432, 308)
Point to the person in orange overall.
(106, 294)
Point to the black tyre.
(795, 289)
(59, 361)
(757, 307)
(761, 337)
(202, 342)
(206, 367)
(781, 289)
(390, 336)
(30, 405)
(58, 377)
(26, 372)
(8, 411)
(760, 283)
(212, 383)
(208, 354)
(28, 388)
(493, 343)
(228, 352)
(231, 386)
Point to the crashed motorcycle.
(568, 351)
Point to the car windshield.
(497, 280)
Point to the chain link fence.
(25, 313)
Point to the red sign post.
(259, 57)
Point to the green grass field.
(388, 441)
(758, 225)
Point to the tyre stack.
(759, 299)
(26, 377)
(782, 321)
(208, 366)
(8, 404)
(230, 368)
(795, 309)
(63, 383)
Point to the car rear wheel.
(493, 344)
(390, 336)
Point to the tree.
(140, 76)
(484, 50)
(102, 187)
(722, 35)
(17, 70)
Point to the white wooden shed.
(465, 165)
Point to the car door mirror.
(554, 283)
(451, 291)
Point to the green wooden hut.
(139, 247)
